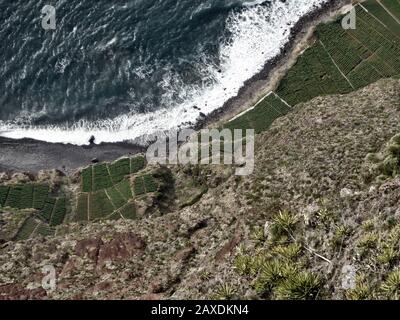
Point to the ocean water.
(124, 69)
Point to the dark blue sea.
(124, 68)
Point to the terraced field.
(107, 190)
(262, 115)
(51, 210)
(340, 61)
(102, 176)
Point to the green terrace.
(50, 209)
(109, 191)
(340, 61)
(102, 176)
(106, 191)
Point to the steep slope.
(313, 165)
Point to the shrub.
(391, 286)
(389, 256)
(225, 292)
(367, 242)
(362, 291)
(341, 232)
(368, 225)
(272, 273)
(325, 216)
(300, 286)
(242, 264)
(258, 234)
(283, 223)
(288, 252)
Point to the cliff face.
(322, 198)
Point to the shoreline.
(274, 70)
(35, 155)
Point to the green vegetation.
(40, 194)
(116, 198)
(283, 224)
(128, 211)
(340, 61)
(100, 205)
(137, 164)
(224, 292)
(120, 169)
(138, 186)
(103, 176)
(3, 195)
(300, 286)
(277, 270)
(362, 291)
(44, 230)
(47, 210)
(149, 183)
(391, 286)
(87, 179)
(261, 116)
(59, 212)
(125, 189)
(380, 13)
(386, 164)
(82, 207)
(107, 189)
(27, 229)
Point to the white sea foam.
(258, 34)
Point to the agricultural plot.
(137, 164)
(103, 176)
(40, 194)
(87, 179)
(59, 212)
(3, 194)
(314, 75)
(129, 211)
(82, 207)
(27, 229)
(138, 186)
(44, 230)
(47, 210)
(24, 196)
(100, 205)
(378, 10)
(14, 197)
(124, 187)
(103, 203)
(116, 198)
(120, 169)
(144, 184)
(393, 6)
(149, 183)
(261, 116)
(339, 62)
